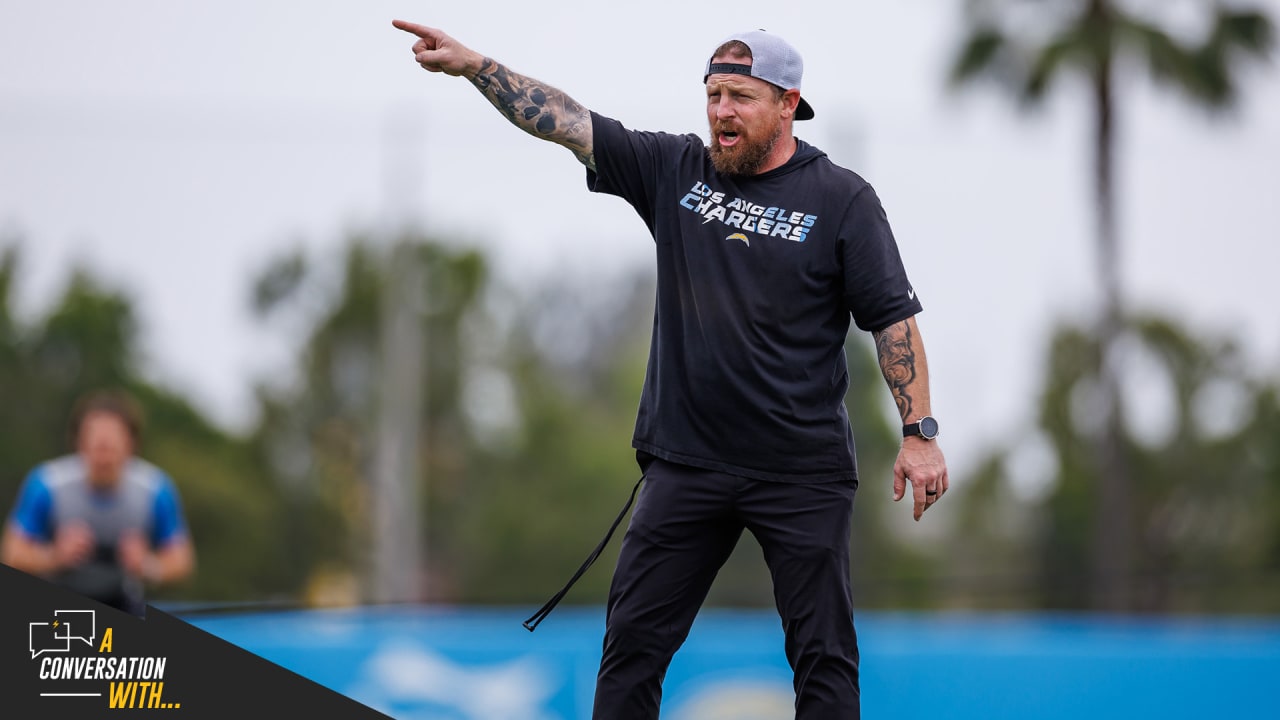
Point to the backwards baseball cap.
(772, 60)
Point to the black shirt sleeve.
(630, 163)
(877, 291)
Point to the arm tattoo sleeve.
(897, 357)
(537, 108)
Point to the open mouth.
(728, 138)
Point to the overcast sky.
(175, 148)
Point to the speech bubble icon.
(76, 625)
(41, 638)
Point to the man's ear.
(790, 101)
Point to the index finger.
(421, 31)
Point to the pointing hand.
(438, 52)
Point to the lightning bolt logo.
(740, 236)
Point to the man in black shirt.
(766, 250)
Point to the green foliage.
(1204, 525)
(316, 434)
(990, 565)
(1089, 37)
(1094, 39)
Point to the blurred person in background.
(766, 250)
(101, 521)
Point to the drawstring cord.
(532, 623)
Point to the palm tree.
(1092, 39)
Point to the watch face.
(928, 427)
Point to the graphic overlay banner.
(63, 655)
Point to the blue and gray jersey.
(58, 492)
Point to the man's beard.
(746, 157)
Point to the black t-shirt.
(757, 280)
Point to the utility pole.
(397, 553)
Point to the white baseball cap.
(773, 60)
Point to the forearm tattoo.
(538, 109)
(898, 364)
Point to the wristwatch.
(926, 427)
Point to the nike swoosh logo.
(911, 294)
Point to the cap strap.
(731, 68)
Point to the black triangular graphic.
(203, 676)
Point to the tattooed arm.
(900, 351)
(536, 108)
(902, 362)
